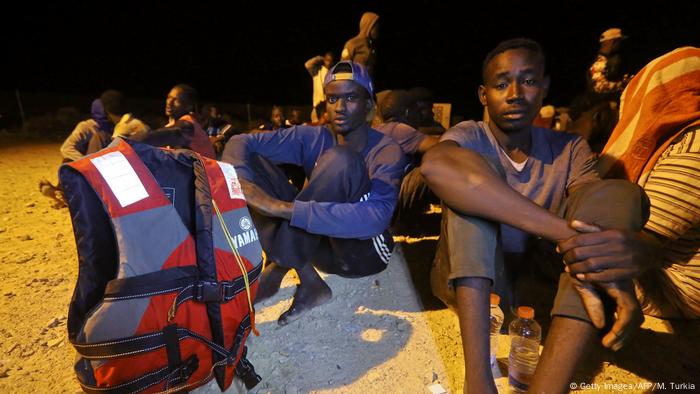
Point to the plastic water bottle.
(496, 323)
(525, 336)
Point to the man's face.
(413, 116)
(514, 88)
(176, 105)
(610, 47)
(374, 33)
(347, 105)
(214, 112)
(425, 111)
(327, 60)
(277, 117)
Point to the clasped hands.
(607, 260)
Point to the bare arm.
(468, 184)
(428, 143)
(313, 65)
(264, 203)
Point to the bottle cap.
(495, 299)
(526, 312)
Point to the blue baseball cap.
(346, 70)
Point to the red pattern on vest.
(189, 314)
(200, 141)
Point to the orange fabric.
(192, 315)
(660, 102)
(200, 141)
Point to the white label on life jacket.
(234, 187)
(120, 177)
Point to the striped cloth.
(672, 288)
(656, 143)
(660, 102)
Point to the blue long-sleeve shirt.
(303, 146)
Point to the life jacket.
(168, 267)
(200, 141)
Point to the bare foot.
(307, 296)
(53, 192)
(270, 281)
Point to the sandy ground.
(383, 334)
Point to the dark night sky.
(254, 51)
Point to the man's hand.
(598, 255)
(263, 203)
(628, 314)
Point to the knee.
(620, 202)
(631, 196)
(613, 191)
(624, 190)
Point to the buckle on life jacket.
(181, 374)
(246, 371)
(209, 292)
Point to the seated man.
(338, 222)
(505, 181)
(183, 129)
(93, 134)
(400, 117)
(424, 103)
(89, 136)
(277, 120)
(659, 109)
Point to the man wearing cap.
(338, 221)
(605, 74)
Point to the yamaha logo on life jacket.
(245, 223)
(247, 235)
(163, 300)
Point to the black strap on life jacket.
(172, 349)
(208, 291)
(139, 344)
(246, 371)
(139, 384)
(179, 374)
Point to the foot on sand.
(54, 193)
(307, 297)
(270, 281)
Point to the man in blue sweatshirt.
(339, 221)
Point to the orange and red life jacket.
(169, 260)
